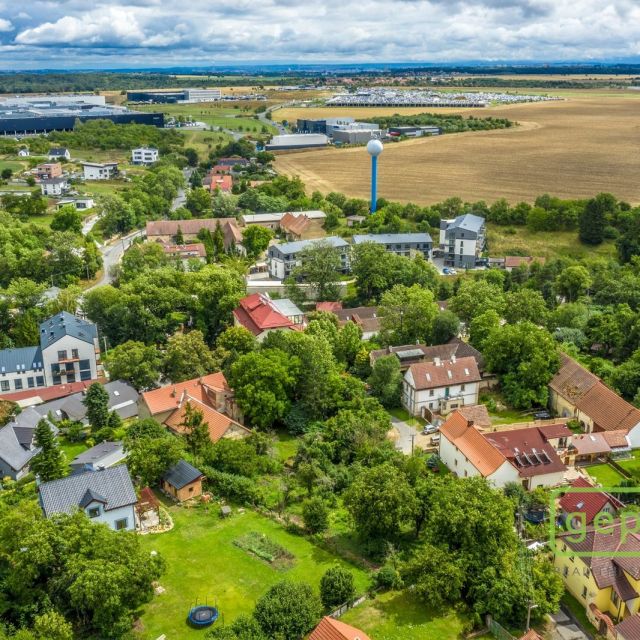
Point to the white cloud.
(5, 25)
(157, 32)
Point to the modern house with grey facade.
(68, 352)
(402, 244)
(283, 258)
(462, 240)
(106, 496)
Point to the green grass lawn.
(286, 446)
(71, 449)
(399, 616)
(405, 416)
(14, 165)
(578, 610)
(504, 415)
(632, 465)
(203, 563)
(605, 475)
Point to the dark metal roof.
(97, 453)
(24, 358)
(181, 475)
(392, 238)
(112, 485)
(65, 324)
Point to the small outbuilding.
(182, 482)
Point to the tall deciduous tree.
(48, 463)
(407, 315)
(593, 219)
(187, 357)
(386, 381)
(97, 403)
(255, 239)
(134, 362)
(320, 268)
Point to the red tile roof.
(616, 438)
(629, 628)
(295, 225)
(552, 431)
(591, 503)
(166, 398)
(222, 182)
(590, 444)
(330, 307)
(511, 262)
(44, 394)
(429, 375)
(527, 450)
(188, 227)
(532, 634)
(197, 249)
(481, 454)
(331, 629)
(478, 414)
(257, 314)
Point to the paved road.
(89, 223)
(112, 254)
(403, 443)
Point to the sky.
(68, 34)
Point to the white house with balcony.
(144, 155)
(440, 386)
(99, 170)
(106, 496)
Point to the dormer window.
(93, 512)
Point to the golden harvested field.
(572, 148)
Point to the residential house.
(525, 456)
(478, 414)
(106, 496)
(295, 228)
(283, 258)
(331, 629)
(211, 395)
(185, 253)
(607, 585)
(583, 507)
(272, 220)
(48, 170)
(102, 456)
(54, 187)
(514, 262)
(628, 629)
(81, 204)
(165, 231)
(58, 153)
(223, 183)
(182, 482)
(233, 161)
(68, 351)
(402, 244)
(440, 386)
(17, 443)
(260, 314)
(462, 240)
(618, 440)
(99, 170)
(144, 155)
(365, 317)
(589, 447)
(575, 392)
(355, 221)
(23, 153)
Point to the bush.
(315, 515)
(388, 578)
(336, 587)
(232, 487)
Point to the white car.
(430, 428)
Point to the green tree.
(196, 430)
(198, 202)
(315, 515)
(262, 382)
(525, 304)
(149, 457)
(573, 282)
(380, 501)
(407, 315)
(255, 239)
(525, 357)
(336, 587)
(48, 463)
(187, 357)
(52, 626)
(593, 219)
(288, 610)
(97, 403)
(67, 218)
(242, 628)
(320, 268)
(475, 297)
(134, 362)
(386, 381)
(445, 326)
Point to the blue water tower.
(374, 149)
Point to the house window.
(62, 355)
(190, 489)
(431, 392)
(18, 384)
(466, 473)
(572, 558)
(614, 598)
(584, 592)
(4, 385)
(587, 573)
(461, 387)
(455, 462)
(40, 381)
(121, 524)
(94, 512)
(74, 354)
(431, 405)
(565, 571)
(31, 383)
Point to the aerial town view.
(320, 321)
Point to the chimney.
(183, 397)
(469, 423)
(174, 392)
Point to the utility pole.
(413, 437)
(530, 606)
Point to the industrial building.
(402, 244)
(343, 130)
(23, 116)
(414, 132)
(172, 97)
(297, 141)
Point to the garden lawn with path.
(398, 615)
(632, 465)
(605, 475)
(204, 563)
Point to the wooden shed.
(182, 482)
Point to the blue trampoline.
(202, 616)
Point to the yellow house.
(607, 584)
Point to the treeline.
(447, 123)
(528, 83)
(104, 134)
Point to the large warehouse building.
(297, 141)
(179, 95)
(23, 116)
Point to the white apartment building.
(54, 186)
(99, 171)
(283, 258)
(462, 240)
(144, 155)
(440, 386)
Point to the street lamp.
(374, 149)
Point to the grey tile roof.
(181, 474)
(65, 324)
(11, 359)
(97, 453)
(295, 247)
(468, 221)
(123, 399)
(57, 151)
(16, 439)
(113, 485)
(392, 238)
